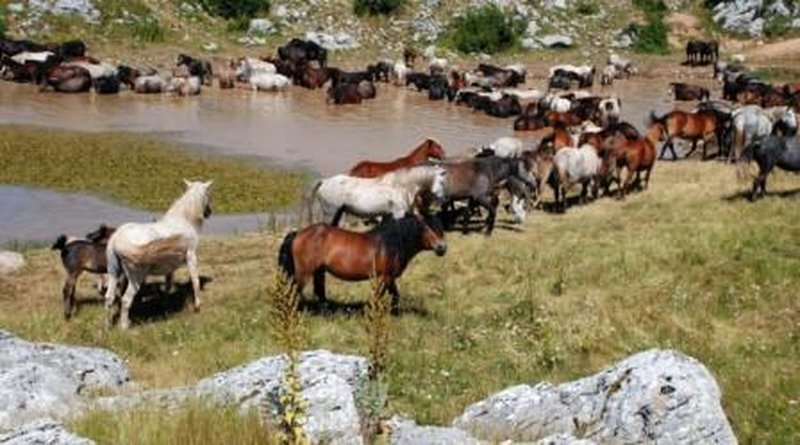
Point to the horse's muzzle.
(440, 249)
(207, 212)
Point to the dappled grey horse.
(770, 152)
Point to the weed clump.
(377, 7)
(486, 29)
(651, 38)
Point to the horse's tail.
(747, 156)
(285, 254)
(113, 260)
(310, 199)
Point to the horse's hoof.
(197, 308)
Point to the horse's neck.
(183, 210)
(418, 155)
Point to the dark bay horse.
(383, 253)
(82, 255)
(426, 150)
(771, 152)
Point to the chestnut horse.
(700, 125)
(635, 155)
(383, 253)
(424, 151)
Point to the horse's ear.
(207, 185)
(187, 182)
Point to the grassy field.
(688, 265)
(138, 171)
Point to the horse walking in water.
(771, 152)
(384, 252)
(137, 250)
(394, 193)
(428, 149)
(82, 255)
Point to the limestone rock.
(40, 379)
(42, 432)
(555, 41)
(407, 432)
(10, 262)
(656, 396)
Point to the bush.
(148, 30)
(376, 7)
(484, 30)
(652, 37)
(236, 9)
(586, 7)
(2, 20)
(778, 26)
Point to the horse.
(367, 90)
(696, 126)
(752, 122)
(184, 86)
(770, 152)
(152, 84)
(197, 67)
(137, 250)
(574, 166)
(394, 193)
(621, 66)
(268, 82)
(247, 66)
(67, 79)
(383, 253)
(106, 85)
(82, 255)
(96, 70)
(345, 93)
(635, 155)
(311, 77)
(426, 150)
(685, 92)
(380, 71)
(299, 51)
(477, 180)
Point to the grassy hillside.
(686, 265)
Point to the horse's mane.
(399, 237)
(189, 206)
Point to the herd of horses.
(581, 140)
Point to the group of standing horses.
(580, 140)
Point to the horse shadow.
(152, 303)
(316, 308)
(745, 195)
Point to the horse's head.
(438, 183)
(431, 234)
(101, 235)
(433, 149)
(195, 205)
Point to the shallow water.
(293, 129)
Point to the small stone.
(10, 262)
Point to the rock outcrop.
(10, 262)
(42, 379)
(42, 432)
(651, 397)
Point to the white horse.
(38, 57)
(391, 194)
(96, 70)
(506, 147)
(152, 84)
(751, 123)
(137, 250)
(268, 82)
(575, 166)
(399, 72)
(184, 86)
(246, 67)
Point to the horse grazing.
(394, 193)
(478, 179)
(383, 253)
(427, 149)
(771, 152)
(137, 250)
(82, 255)
(635, 156)
(694, 127)
(197, 67)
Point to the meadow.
(689, 264)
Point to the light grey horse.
(752, 123)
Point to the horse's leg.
(191, 262)
(647, 177)
(625, 186)
(319, 285)
(69, 294)
(167, 284)
(111, 299)
(337, 217)
(489, 203)
(694, 147)
(134, 283)
(391, 287)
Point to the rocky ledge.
(656, 396)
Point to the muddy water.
(293, 129)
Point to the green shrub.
(2, 20)
(376, 7)
(148, 30)
(486, 29)
(778, 26)
(652, 37)
(232, 9)
(586, 7)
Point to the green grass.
(138, 171)
(194, 423)
(679, 266)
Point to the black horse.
(771, 152)
(299, 51)
(197, 67)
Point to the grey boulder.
(42, 432)
(10, 262)
(656, 396)
(42, 379)
(555, 41)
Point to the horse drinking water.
(137, 250)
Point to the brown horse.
(311, 77)
(620, 129)
(560, 138)
(383, 253)
(700, 125)
(424, 151)
(568, 119)
(82, 255)
(636, 156)
(67, 79)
